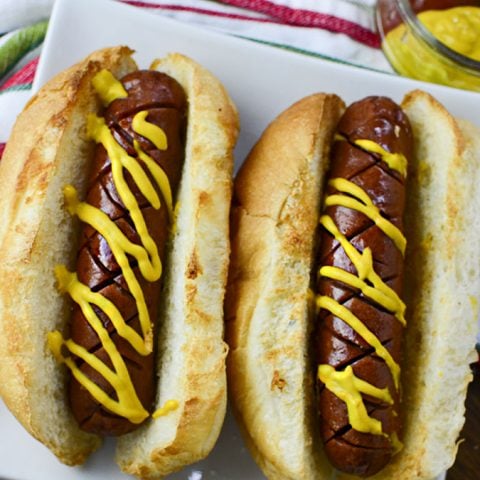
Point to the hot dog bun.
(269, 305)
(49, 149)
(274, 214)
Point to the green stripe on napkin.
(20, 44)
(17, 88)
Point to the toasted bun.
(49, 149)
(276, 205)
(267, 297)
(191, 358)
(441, 290)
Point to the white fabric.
(17, 13)
(21, 13)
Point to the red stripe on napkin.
(308, 18)
(23, 76)
(204, 11)
(2, 148)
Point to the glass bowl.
(414, 51)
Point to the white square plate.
(262, 82)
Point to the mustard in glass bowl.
(433, 40)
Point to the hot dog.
(164, 102)
(323, 372)
(360, 176)
(160, 101)
(127, 170)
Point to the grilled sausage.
(97, 266)
(357, 290)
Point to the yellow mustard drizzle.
(148, 130)
(389, 301)
(128, 404)
(98, 130)
(81, 294)
(395, 161)
(361, 202)
(108, 87)
(349, 318)
(160, 177)
(169, 406)
(121, 246)
(381, 293)
(348, 387)
(344, 384)
(396, 443)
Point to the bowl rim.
(409, 17)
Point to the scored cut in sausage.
(359, 327)
(97, 267)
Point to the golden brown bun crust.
(35, 235)
(442, 290)
(275, 212)
(267, 299)
(192, 357)
(49, 149)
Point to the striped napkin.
(340, 30)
